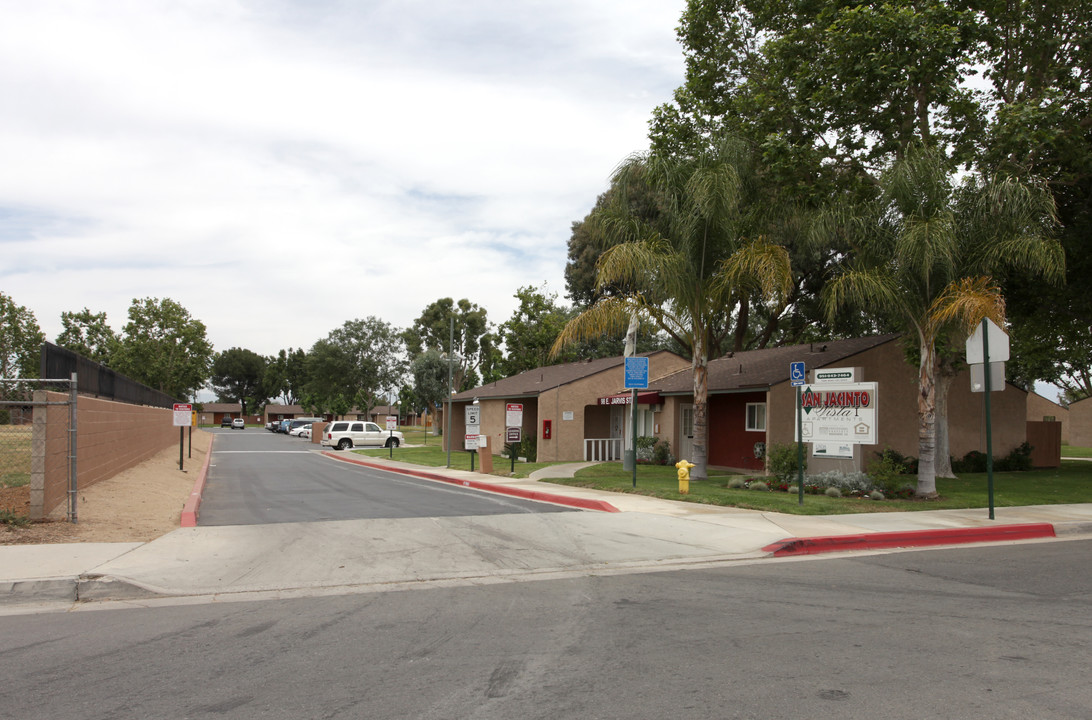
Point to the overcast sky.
(279, 167)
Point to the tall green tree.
(473, 341)
(356, 364)
(286, 375)
(164, 347)
(925, 251)
(88, 334)
(684, 272)
(238, 375)
(530, 333)
(429, 371)
(20, 340)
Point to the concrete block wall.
(110, 437)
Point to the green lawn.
(433, 455)
(15, 455)
(1079, 452)
(1071, 483)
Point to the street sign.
(513, 435)
(183, 414)
(797, 373)
(636, 373)
(471, 441)
(392, 422)
(998, 339)
(513, 415)
(997, 376)
(473, 414)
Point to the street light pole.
(447, 413)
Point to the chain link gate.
(38, 441)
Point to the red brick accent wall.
(110, 437)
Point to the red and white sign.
(471, 442)
(183, 414)
(513, 415)
(392, 422)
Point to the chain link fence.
(37, 443)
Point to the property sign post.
(183, 418)
(513, 430)
(797, 373)
(392, 425)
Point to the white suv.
(344, 434)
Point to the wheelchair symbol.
(796, 372)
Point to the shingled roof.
(759, 369)
(533, 382)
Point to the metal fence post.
(73, 399)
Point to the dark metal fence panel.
(99, 380)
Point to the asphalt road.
(977, 632)
(256, 477)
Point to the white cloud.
(281, 167)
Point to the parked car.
(293, 426)
(226, 422)
(345, 434)
(296, 430)
(238, 424)
(305, 431)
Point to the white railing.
(602, 449)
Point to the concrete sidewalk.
(625, 533)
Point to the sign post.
(513, 430)
(392, 425)
(183, 418)
(978, 351)
(797, 373)
(636, 379)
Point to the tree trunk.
(927, 478)
(700, 471)
(943, 460)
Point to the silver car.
(345, 434)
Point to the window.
(756, 417)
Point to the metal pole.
(799, 447)
(633, 435)
(989, 429)
(447, 413)
(73, 486)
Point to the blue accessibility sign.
(797, 373)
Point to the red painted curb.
(908, 538)
(193, 503)
(581, 503)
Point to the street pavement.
(617, 533)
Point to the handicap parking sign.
(796, 373)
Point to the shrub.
(8, 517)
(832, 492)
(645, 444)
(1019, 460)
(972, 462)
(528, 447)
(908, 463)
(781, 460)
(855, 482)
(661, 453)
(885, 471)
(875, 495)
(759, 486)
(736, 483)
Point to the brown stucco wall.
(110, 437)
(897, 414)
(1040, 408)
(1080, 423)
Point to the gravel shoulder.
(136, 505)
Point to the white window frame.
(763, 418)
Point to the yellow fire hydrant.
(684, 476)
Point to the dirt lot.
(137, 505)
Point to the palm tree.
(684, 271)
(925, 252)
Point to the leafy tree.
(684, 272)
(429, 371)
(238, 375)
(88, 334)
(432, 330)
(354, 364)
(925, 254)
(286, 375)
(164, 347)
(20, 340)
(532, 330)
